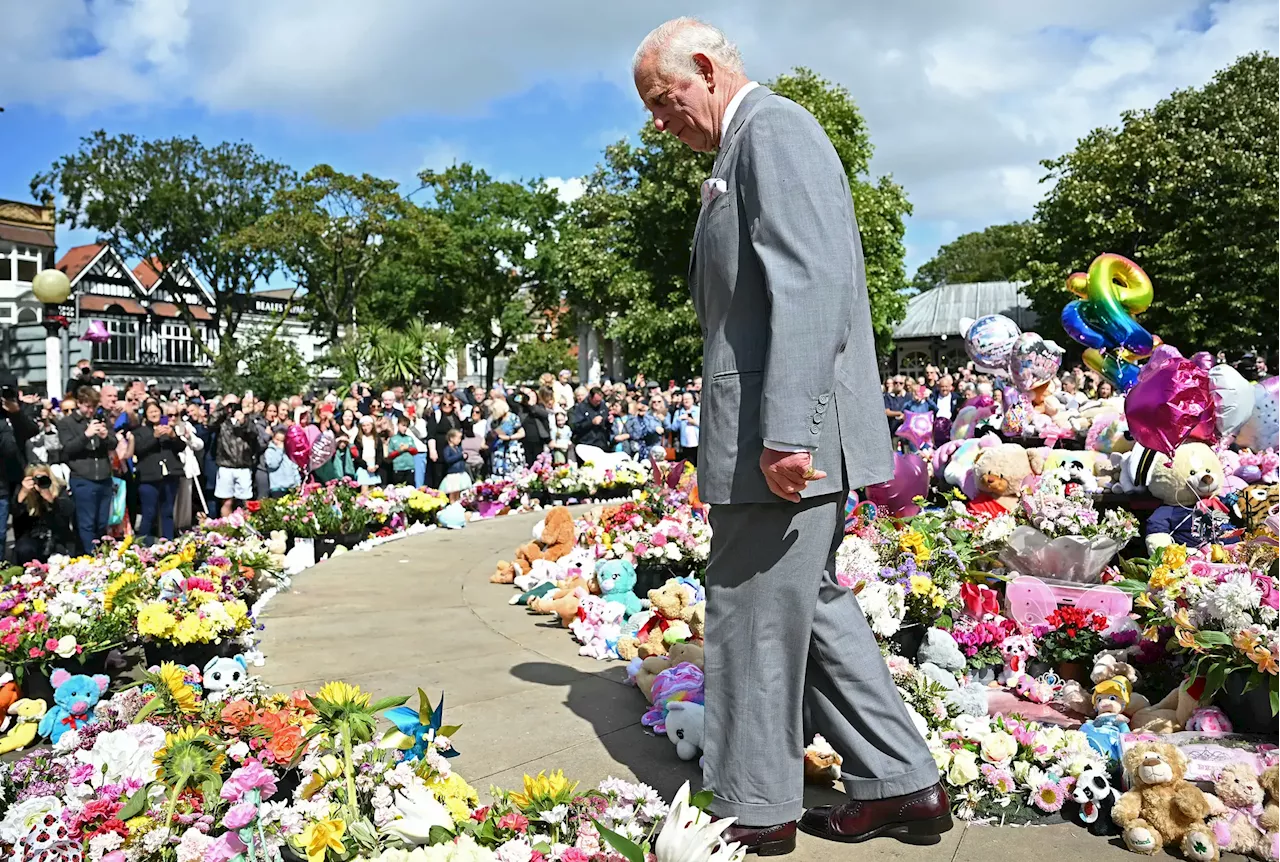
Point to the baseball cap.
(152, 382)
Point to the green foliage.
(1188, 190)
(996, 253)
(264, 364)
(623, 255)
(535, 356)
(172, 201)
(494, 246)
(328, 232)
(386, 356)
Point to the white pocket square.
(712, 188)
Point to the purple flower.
(240, 816)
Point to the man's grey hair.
(675, 43)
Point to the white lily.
(419, 810)
(690, 835)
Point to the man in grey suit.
(791, 418)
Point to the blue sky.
(962, 100)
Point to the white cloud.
(569, 190)
(962, 99)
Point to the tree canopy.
(623, 255)
(1188, 190)
(996, 253)
(170, 201)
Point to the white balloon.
(1262, 430)
(1233, 396)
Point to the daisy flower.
(1049, 797)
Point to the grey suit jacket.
(778, 284)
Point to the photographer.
(42, 515)
(16, 428)
(87, 444)
(237, 451)
(157, 451)
(537, 421)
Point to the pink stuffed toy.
(1257, 467)
(601, 642)
(682, 682)
(1042, 690)
(590, 615)
(1016, 650)
(1210, 721)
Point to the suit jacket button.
(823, 399)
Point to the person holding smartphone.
(43, 517)
(157, 451)
(87, 443)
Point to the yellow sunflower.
(173, 678)
(340, 693)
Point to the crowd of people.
(118, 458)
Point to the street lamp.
(52, 287)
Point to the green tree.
(1188, 190)
(500, 240)
(536, 356)
(170, 201)
(623, 255)
(270, 367)
(388, 355)
(996, 253)
(328, 232)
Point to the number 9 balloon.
(1114, 289)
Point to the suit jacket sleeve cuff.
(785, 447)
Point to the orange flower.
(1187, 639)
(1265, 661)
(301, 701)
(273, 721)
(1246, 641)
(284, 743)
(238, 714)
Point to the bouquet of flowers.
(1009, 768)
(925, 698)
(1223, 615)
(1056, 515)
(1065, 537)
(980, 640)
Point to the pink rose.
(1266, 587)
(240, 816)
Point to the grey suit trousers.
(786, 645)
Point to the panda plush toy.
(1094, 797)
(222, 673)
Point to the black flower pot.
(157, 653)
(907, 640)
(35, 682)
(1250, 712)
(325, 546)
(986, 674)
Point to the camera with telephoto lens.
(43, 481)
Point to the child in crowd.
(401, 447)
(561, 439)
(456, 479)
(282, 473)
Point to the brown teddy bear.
(672, 611)
(564, 600)
(821, 763)
(678, 653)
(1162, 808)
(1269, 820)
(999, 474)
(552, 540)
(1240, 795)
(1173, 711)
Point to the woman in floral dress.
(505, 435)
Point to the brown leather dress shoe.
(764, 840)
(917, 818)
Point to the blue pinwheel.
(416, 731)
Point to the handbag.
(119, 493)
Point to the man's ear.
(706, 69)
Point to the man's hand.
(597, 419)
(95, 429)
(788, 472)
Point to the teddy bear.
(1161, 807)
(672, 607)
(553, 538)
(941, 660)
(564, 602)
(1106, 665)
(1016, 650)
(642, 671)
(1269, 819)
(74, 696)
(999, 474)
(617, 578)
(1240, 796)
(221, 673)
(25, 715)
(1094, 798)
(277, 547)
(821, 762)
(1068, 472)
(1173, 711)
(1191, 513)
(685, 724)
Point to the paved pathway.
(420, 612)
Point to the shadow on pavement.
(614, 713)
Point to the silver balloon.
(1033, 361)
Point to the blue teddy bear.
(617, 579)
(74, 697)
